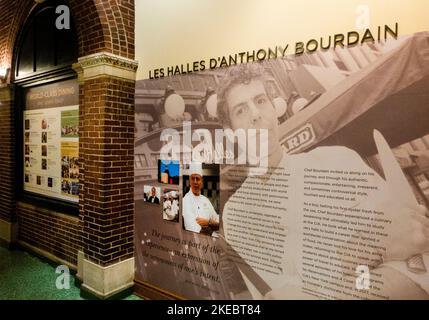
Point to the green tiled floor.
(26, 277)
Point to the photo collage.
(192, 201)
(70, 153)
(37, 131)
(51, 152)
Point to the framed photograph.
(44, 137)
(44, 164)
(200, 204)
(44, 150)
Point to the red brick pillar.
(8, 225)
(107, 84)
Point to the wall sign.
(51, 141)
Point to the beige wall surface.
(172, 32)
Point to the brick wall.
(107, 155)
(104, 228)
(55, 233)
(12, 16)
(106, 25)
(7, 158)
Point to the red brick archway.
(103, 232)
(106, 25)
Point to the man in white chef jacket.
(168, 213)
(175, 207)
(198, 212)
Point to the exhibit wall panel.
(301, 175)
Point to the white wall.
(174, 32)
